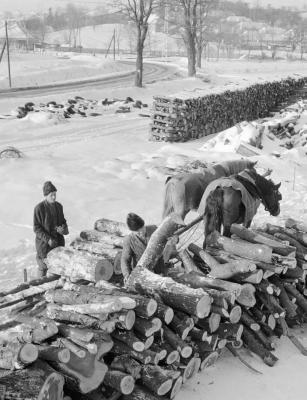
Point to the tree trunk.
(256, 237)
(17, 356)
(119, 381)
(52, 353)
(111, 227)
(106, 238)
(97, 248)
(77, 265)
(156, 380)
(139, 57)
(158, 240)
(241, 248)
(35, 330)
(191, 52)
(192, 301)
(37, 382)
(222, 271)
(127, 364)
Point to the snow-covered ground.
(106, 167)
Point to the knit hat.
(48, 188)
(134, 222)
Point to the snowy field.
(106, 167)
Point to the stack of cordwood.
(180, 119)
(79, 335)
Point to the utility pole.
(8, 54)
(114, 44)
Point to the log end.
(209, 360)
(148, 342)
(235, 314)
(28, 353)
(172, 357)
(129, 320)
(186, 351)
(165, 387)
(64, 356)
(151, 307)
(138, 346)
(203, 306)
(188, 371)
(52, 388)
(127, 385)
(176, 387)
(104, 270)
(169, 315)
(162, 354)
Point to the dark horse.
(184, 191)
(224, 205)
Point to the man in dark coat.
(49, 226)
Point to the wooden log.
(55, 312)
(124, 319)
(94, 308)
(171, 354)
(67, 297)
(154, 378)
(78, 265)
(256, 237)
(17, 356)
(247, 296)
(130, 339)
(235, 314)
(221, 271)
(140, 393)
(256, 347)
(147, 327)
(148, 341)
(52, 353)
(165, 313)
(38, 382)
(84, 334)
(35, 330)
(127, 364)
(93, 235)
(298, 225)
(241, 248)
(211, 323)
(301, 250)
(254, 277)
(158, 240)
(225, 257)
(198, 334)
(208, 359)
(301, 300)
(230, 331)
(145, 357)
(71, 346)
(248, 321)
(267, 342)
(112, 227)
(176, 342)
(295, 273)
(182, 324)
(192, 301)
(85, 374)
(27, 285)
(197, 280)
(119, 381)
(188, 366)
(177, 384)
(97, 248)
(187, 261)
(30, 292)
(285, 302)
(157, 349)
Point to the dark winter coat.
(44, 224)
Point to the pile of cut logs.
(78, 333)
(180, 119)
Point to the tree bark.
(241, 248)
(17, 356)
(145, 357)
(178, 344)
(127, 364)
(96, 248)
(111, 227)
(182, 324)
(156, 380)
(211, 323)
(192, 301)
(256, 347)
(256, 237)
(230, 331)
(130, 339)
(78, 265)
(106, 238)
(52, 353)
(158, 240)
(147, 327)
(37, 382)
(221, 271)
(298, 225)
(119, 381)
(165, 313)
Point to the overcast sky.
(38, 5)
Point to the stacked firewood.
(180, 119)
(146, 339)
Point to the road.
(152, 72)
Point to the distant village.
(231, 30)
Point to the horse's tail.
(214, 211)
(168, 205)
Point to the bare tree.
(138, 11)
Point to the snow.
(106, 167)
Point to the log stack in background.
(148, 339)
(180, 119)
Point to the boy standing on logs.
(49, 226)
(135, 244)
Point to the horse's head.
(270, 194)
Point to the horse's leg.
(248, 224)
(213, 213)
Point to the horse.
(183, 192)
(235, 200)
